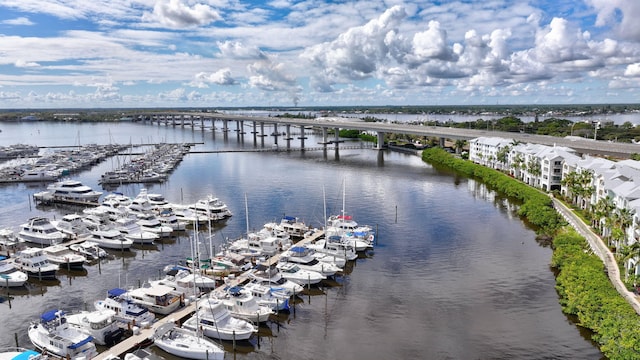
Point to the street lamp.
(572, 125)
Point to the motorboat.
(277, 299)
(272, 277)
(150, 222)
(186, 344)
(168, 218)
(293, 272)
(110, 239)
(216, 322)
(189, 216)
(160, 299)
(39, 230)
(35, 263)
(211, 207)
(71, 225)
(10, 275)
(293, 226)
(222, 264)
(125, 311)
(18, 353)
(303, 257)
(72, 190)
(99, 324)
(360, 236)
(184, 275)
(10, 243)
(334, 246)
(54, 335)
(131, 230)
(64, 257)
(241, 303)
(89, 249)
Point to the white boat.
(89, 249)
(216, 322)
(99, 324)
(64, 257)
(10, 243)
(186, 344)
(211, 207)
(293, 272)
(150, 222)
(292, 226)
(110, 239)
(274, 298)
(72, 190)
(334, 246)
(125, 311)
(168, 218)
(131, 230)
(40, 174)
(54, 335)
(40, 230)
(360, 237)
(10, 275)
(241, 303)
(303, 257)
(189, 216)
(71, 225)
(160, 299)
(271, 276)
(17, 353)
(35, 263)
(183, 275)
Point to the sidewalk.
(598, 247)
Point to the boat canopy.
(26, 355)
(51, 315)
(289, 218)
(345, 217)
(116, 292)
(298, 249)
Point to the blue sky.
(281, 53)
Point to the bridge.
(581, 145)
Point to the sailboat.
(361, 237)
(184, 343)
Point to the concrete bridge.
(282, 128)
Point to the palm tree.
(503, 155)
(459, 144)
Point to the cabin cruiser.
(40, 230)
(161, 299)
(54, 335)
(216, 322)
(10, 275)
(360, 236)
(10, 243)
(90, 250)
(150, 222)
(131, 230)
(292, 226)
(71, 190)
(334, 246)
(271, 276)
(110, 239)
(71, 225)
(241, 303)
(99, 324)
(35, 263)
(303, 257)
(277, 299)
(186, 344)
(168, 218)
(125, 311)
(211, 207)
(293, 272)
(64, 257)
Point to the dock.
(132, 342)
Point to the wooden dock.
(132, 342)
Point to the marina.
(433, 250)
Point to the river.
(455, 274)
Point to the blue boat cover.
(235, 290)
(50, 315)
(289, 218)
(26, 355)
(298, 249)
(2, 257)
(116, 292)
(78, 344)
(360, 233)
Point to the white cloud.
(176, 14)
(236, 50)
(17, 21)
(632, 70)
(623, 14)
(26, 64)
(220, 77)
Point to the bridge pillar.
(380, 144)
(302, 137)
(202, 123)
(441, 142)
(288, 138)
(255, 133)
(275, 133)
(324, 137)
(193, 126)
(337, 136)
(225, 128)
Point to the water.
(456, 275)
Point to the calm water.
(455, 274)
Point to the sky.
(284, 53)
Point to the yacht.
(334, 246)
(72, 190)
(10, 275)
(293, 272)
(160, 299)
(360, 236)
(277, 299)
(17, 353)
(216, 322)
(35, 263)
(131, 230)
(241, 304)
(303, 257)
(54, 335)
(168, 218)
(90, 250)
(150, 222)
(99, 324)
(271, 276)
(292, 226)
(186, 344)
(125, 311)
(211, 207)
(10, 243)
(64, 257)
(110, 239)
(40, 230)
(71, 225)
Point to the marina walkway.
(133, 341)
(601, 250)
